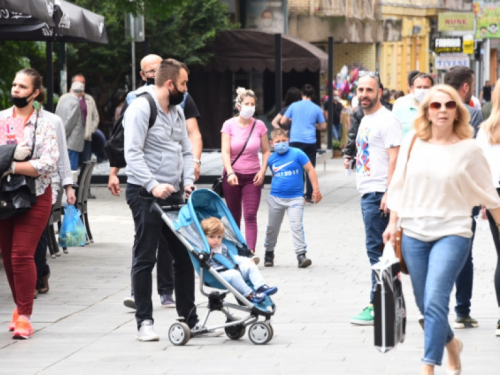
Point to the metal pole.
(50, 77)
(330, 94)
(63, 71)
(132, 32)
(277, 71)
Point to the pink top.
(248, 162)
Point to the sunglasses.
(437, 105)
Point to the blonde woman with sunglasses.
(441, 174)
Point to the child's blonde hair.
(278, 132)
(212, 226)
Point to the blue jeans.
(465, 279)
(375, 224)
(74, 159)
(248, 271)
(86, 154)
(434, 267)
(337, 131)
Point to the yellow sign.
(468, 47)
(452, 21)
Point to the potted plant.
(337, 149)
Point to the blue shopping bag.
(72, 231)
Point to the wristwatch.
(198, 161)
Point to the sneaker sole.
(146, 339)
(22, 337)
(361, 322)
(497, 332)
(268, 264)
(305, 263)
(129, 304)
(465, 325)
(169, 306)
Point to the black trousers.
(42, 268)
(310, 150)
(149, 227)
(164, 269)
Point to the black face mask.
(21, 102)
(177, 98)
(150, 81)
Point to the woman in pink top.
(243, 179)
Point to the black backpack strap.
(152, 107)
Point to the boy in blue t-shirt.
(287, 165)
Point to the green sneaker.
(365, 318)
(466, 322)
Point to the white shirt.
(492, 155)
(377, 132)
(435, 193)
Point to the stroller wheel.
(260, 333)
(235, 332)
(179, 334)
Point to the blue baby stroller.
(185, 223)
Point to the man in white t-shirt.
(378, 140)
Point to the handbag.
(217, 185)
(17, 192)
(399, 235)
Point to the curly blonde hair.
(212, 226)
(422, 124)
(241, 94)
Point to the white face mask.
(247, 111)
(419, 94)
(266, 22)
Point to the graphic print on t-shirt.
(277, 168)
(363, 156)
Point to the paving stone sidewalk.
(82, 326)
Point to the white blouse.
(435, 193)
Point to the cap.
(77, 87)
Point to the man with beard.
(378, 140)
(159, 166)
(461, 78)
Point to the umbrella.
(29, 20)
(41, 10)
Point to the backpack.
(115, 145)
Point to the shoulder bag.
(399, 235)
(17, 191)
(217, 185)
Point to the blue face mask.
(281, 147)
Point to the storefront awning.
(248, 50)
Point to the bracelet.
(198, 161)
(229, 174)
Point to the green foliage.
(15, 56)
(336, 145)
(185, 33)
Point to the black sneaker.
(497, 332)
(269, 260)
(303, 261)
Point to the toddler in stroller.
(185, 222)
(236, 270)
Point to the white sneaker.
(198, 327)
(147, 332)
(129, 302)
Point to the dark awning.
(41, 10)
(249, 50)
(70, 23)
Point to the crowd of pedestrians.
(419, 170)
